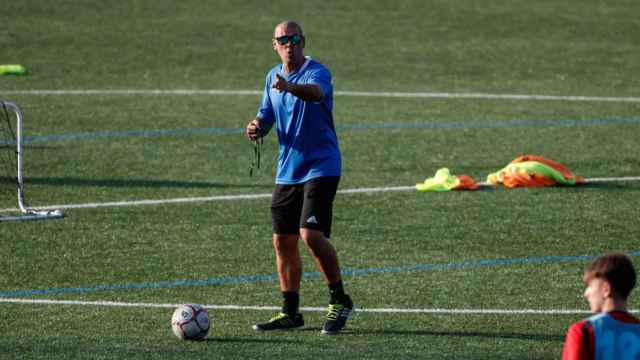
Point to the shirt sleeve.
(579, 344)
(322, 78)
(265, 112)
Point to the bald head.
(288, 25)
(289, 43)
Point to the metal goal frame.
(26, 213)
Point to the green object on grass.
(12, 69)
(443, 181)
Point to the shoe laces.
(334, 311)
(279, 317)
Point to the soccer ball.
(190, 322)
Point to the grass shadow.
(472, 334)
(609, 186)
(251, 340)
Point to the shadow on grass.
(468, 334)
(604, 186)
(127, 183)
(465, 334)
(609, 186)
(251, 340)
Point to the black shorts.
(308, 205)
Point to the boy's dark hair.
(617, 269)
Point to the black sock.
(336, 293)
(290, 302)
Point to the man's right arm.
(306, 92)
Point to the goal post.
(12, 163)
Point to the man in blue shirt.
(298, 99)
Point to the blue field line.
(341, 127)
(248, 279)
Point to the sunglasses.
(284, 40)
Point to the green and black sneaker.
(337, 317)
(281, 321)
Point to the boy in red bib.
(612, 333)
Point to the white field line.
(260, 196)
(309, 309)
(223, 92)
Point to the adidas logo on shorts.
(312, 220)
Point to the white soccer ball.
(190, 322)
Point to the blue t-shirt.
(306, 133)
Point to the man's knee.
(285, 243)
(311, 236)
(316, 242)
